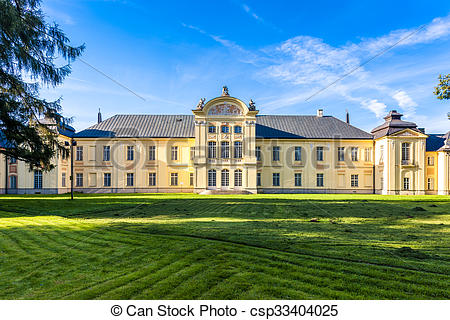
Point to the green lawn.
(184, 246)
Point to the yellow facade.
(225, 155)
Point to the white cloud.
(405, 102)
(244, 55)
(312, 63)
(436, 29)
(251, 13)
(377, 107)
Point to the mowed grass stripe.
(262, 254)
(128, 291)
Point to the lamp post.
(71, 144)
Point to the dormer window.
(237, 129)
(211, 129)
(225, 129)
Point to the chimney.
(422, 130)
(99, 116)
(320, 112)
(347, 116)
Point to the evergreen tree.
(29, 48)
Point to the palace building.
(226, 146)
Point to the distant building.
(226, 147)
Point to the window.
(192, 153)
(225, 129)
(225, 149)
(368, 155)
(152, 153)
(405, 153)
(298, 179)
(211, 178)
(238, 149)
(319, 179)
(152, 179)
(258, 153)
(275, 153)
(430, 161)
(354, 180)
(237, 129)
(13, 182)
(12, 160)
(174, 179)
(341, 154)
(276, 179)
(319, 154)
(79, 155)
(191, 179)
(38, 179)
(211, 129)
(238, 178)
(405, 183)
(354, 153)
(79, 180)
(225, 178)
(65, 154)
(63, 179)
(430, 184)
(107, 179)
(211, 149)
(298, 154)
(381, 154)
(174, 153)
(130, 179)
(106, 153)
(258, 178)
(130, 153)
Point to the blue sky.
(279, 53)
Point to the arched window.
(237, 129)
(238, 178)
(225, 178)
(225, 129)
(211, 178)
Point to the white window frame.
(225, 178)
(212, 182)
(238, 178)
(152, 179)
(212, 149)
(174, 153)
(354, 180)
(298, 179)
(106, 153)
(130, 179)
(238, 150)
(152, 153)
(107, 179)
(130, 153)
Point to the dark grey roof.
(311, 127)
(436, 142)
(177, 126)
(63, 128)
(393, 124)
(139, 126)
